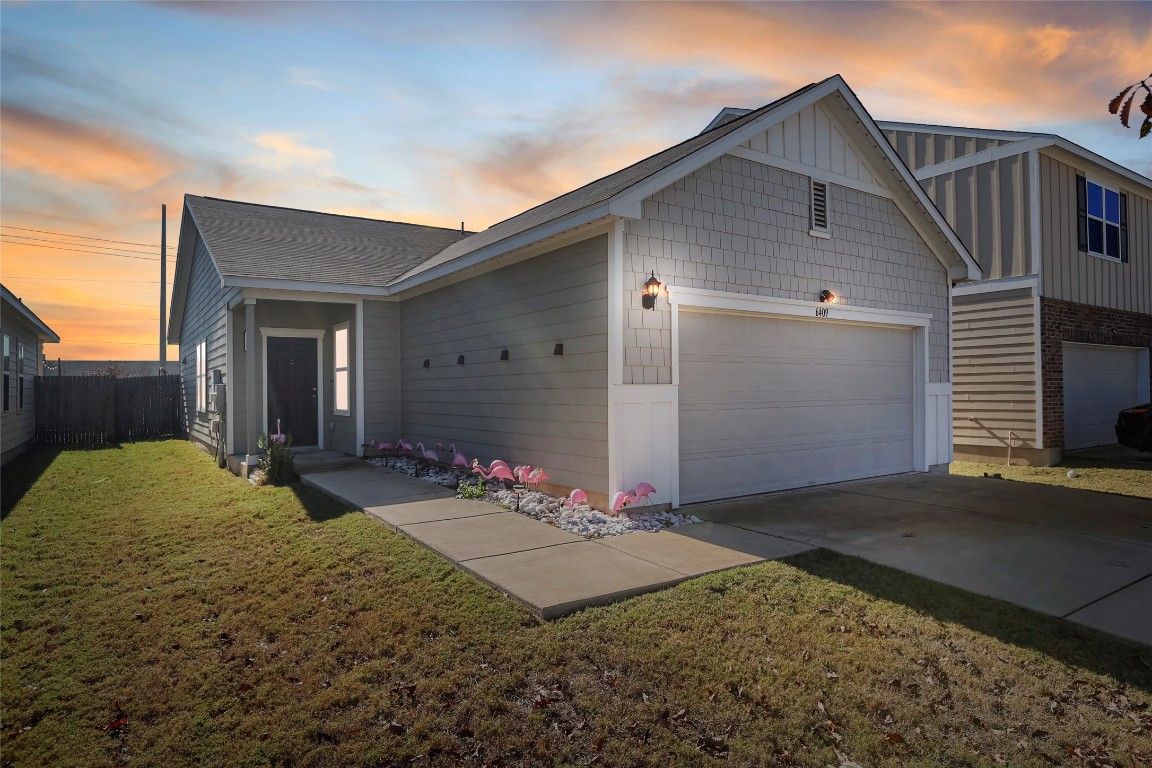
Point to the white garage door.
(772, 403)
(1099, 382)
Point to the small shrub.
(469, 490)
(277, 463)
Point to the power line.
(85, 302)
(83, 237)
(118, 291)
(66, 242)
(89, 253)
(72, 279)
(105, 341)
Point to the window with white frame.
(202, 377)
(340, 357)
(20, 376)
(7, 372)
(1103, 220)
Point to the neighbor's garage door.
(772, 403)
(1099, 382)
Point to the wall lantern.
(828, 297)
(460, 360)
(558, 349)
(427, 363)
(503, 354)
(651, 291)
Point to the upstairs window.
(1103, 220)
(7, 372)
(202, 377)
(20, 376)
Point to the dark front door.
(292, 387)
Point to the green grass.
(1091, 475)
(158, 611)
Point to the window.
(1103, 220)
(202, 377)
(20, 376)
(7, 372)
(340, 364)
(819, 211)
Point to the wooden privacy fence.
(99, 410)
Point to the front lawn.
(158, 611)
(1089, 475)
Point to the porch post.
(251, 415)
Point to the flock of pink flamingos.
(498, 470)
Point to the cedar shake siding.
(740, 226)
(536, 407)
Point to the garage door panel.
(1099, 382)
(793, 403)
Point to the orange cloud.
(78, 153)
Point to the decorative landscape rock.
(582, 519)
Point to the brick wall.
(740, 226)
(1062, 321)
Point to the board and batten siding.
(741, 226)
(18, 424)
(919, 149)
(1070, 275)
(994, 369)
(536, 407)
(381, 371)
(205, 316)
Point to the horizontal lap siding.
(381, 371)
(18, 425)
(994, 370)
(535, 408)
(205, 313)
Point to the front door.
(292, 380)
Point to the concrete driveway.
(1080, 555)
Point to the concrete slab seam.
(1110, 594)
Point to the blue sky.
(446, 112)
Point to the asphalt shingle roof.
(249, 240)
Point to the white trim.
(303, 333)
(1036, 242)
(352, 291)
(347, 328)
(707, 300)
(979, 158)
(763, 158)
(360, 416)
(308, 295)
(615, 349)
(999, 284)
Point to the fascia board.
(628, 202)
(1103, 162)
(525, 238)
(918, 193)
(45, 334)
(952, 130)
(185, 252)
(234, 281)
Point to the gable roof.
(1016, 141)
(44, 333)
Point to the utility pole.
(163, 283)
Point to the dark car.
(1134, 427)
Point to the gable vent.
(819, 206)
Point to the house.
(1054, 339)
(24, 333)
(798, 334)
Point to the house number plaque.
(821, 311)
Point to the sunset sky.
(439, 113)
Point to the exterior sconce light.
(558, 349)
(460, 360)
(651, 291)
(503, 354)
(828, 297)
(427, 363)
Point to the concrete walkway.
(549, 570)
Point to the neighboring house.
(531, 341)
(1055, 339)
(24, 333)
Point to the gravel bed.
(582, 520)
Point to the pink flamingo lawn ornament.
(403, 445)
(521, 474)
(621, 500)
(458, 459)
(427, 453)
(537, 476)
(497, 469)
(576, 498)
(643, 491)
(389, 449)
